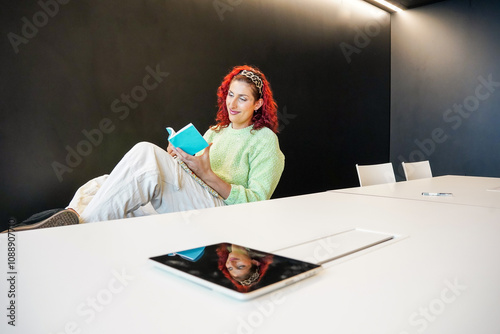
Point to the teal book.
(189, 139)
(192, 255)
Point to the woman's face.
(239, 263)
(241, 104)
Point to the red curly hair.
(266, 116)
(223, 253)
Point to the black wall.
(76, 77)
(446, 87)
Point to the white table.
(440, 274)
(465, 190)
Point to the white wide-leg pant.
(146, 178)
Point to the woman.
(242, 266)
(243, 162)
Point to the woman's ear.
(258, 104)
(255, 262)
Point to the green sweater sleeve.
(251, 161)
(266, 166)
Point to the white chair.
(375, 174)
(417, 170)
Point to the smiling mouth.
(233, 112)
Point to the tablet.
(237, 271)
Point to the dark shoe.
(49, 218)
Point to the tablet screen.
(235, 267)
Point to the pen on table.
(437, 194)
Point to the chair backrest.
(417, 170)
(375, 174)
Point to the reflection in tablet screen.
(235, 267)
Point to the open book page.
(171, 132)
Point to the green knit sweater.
(251, 161)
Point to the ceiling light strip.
(389, 5)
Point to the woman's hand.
(170, 149)
(200, 165)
